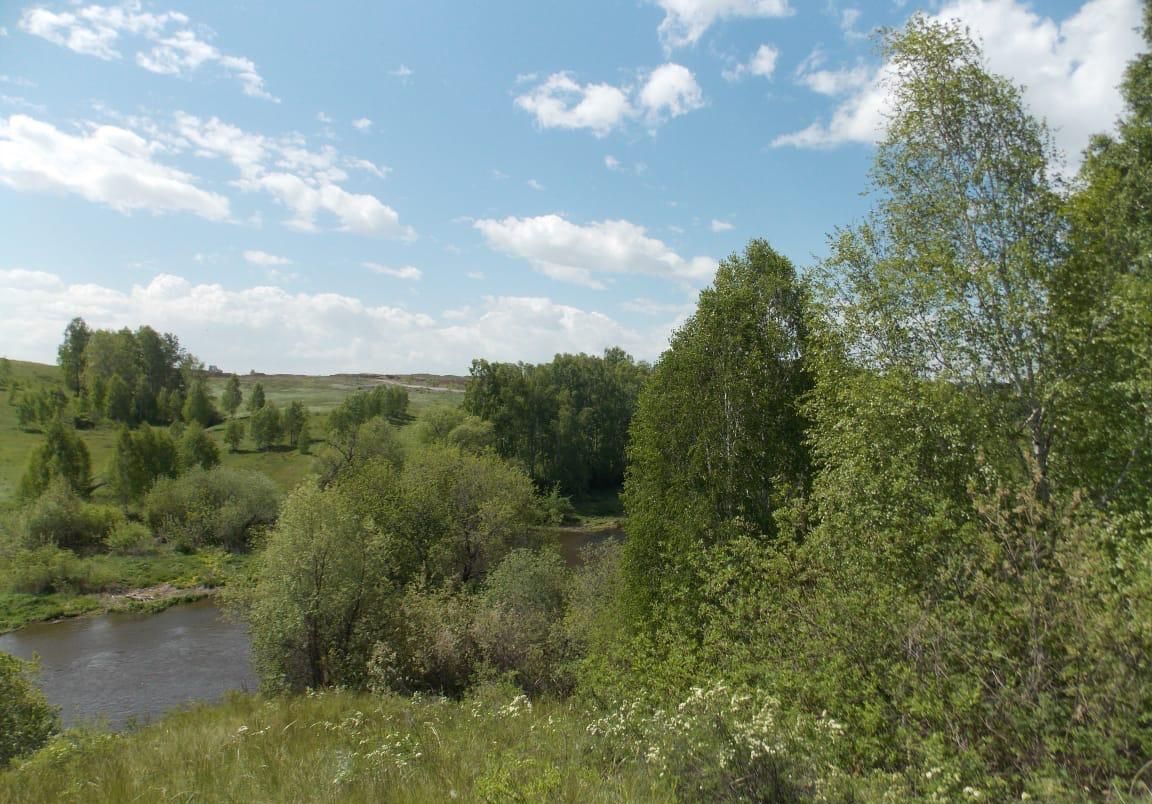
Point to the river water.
(124, 668)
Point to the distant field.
(286, 467)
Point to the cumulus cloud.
(270, 329)
(1070, 70)
(560, 101)
(104, 164)
(303, 181)
(167, 43)
(685, 21)
(721, 226)
(362, 124)
(575, 253)
(408, 272)
(264, 258)
(762, 64)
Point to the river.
(123, 668)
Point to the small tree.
(294, 416)
(304, 438)
(265, 426)
(118, 400)
(61, 454)
(197, 449)
(234, 434)
(256, 398)
(232, 396)
(198, 406)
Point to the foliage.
(139, 460)
(265, 426)
(198, 406)
(40, 406)
(198, 449)
(217, 507)
(232, 397)
(70, 355)
(344, 449)
(26, 719)
(304, 438)
(62, 454)
(292, 421)
(60, 518)
(234, 435)
(256, 398)
(565, 422)
(129, 539)
(718, 437)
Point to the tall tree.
(70, 355)
(718, 437)
(232, 396)
(61, 454)
(256, 398)
(198, 406)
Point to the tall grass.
(339, 746)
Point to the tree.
(232, 396)
(293, 420)
(5, 372)
(70, 355)
(718, 437)
(375, 438)
(1105, 295)
(61, 454)
(234, 434)
(256, 398)
(304, 438)
(197, 449)
(140, 459)
(265, 425)
(198, 407)
(26, 719)
(118, 400)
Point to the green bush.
(59, 518)
(26, 719)
(48, 570)
(130, 539)
(218, 507)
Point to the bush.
(130, 539)
(217, 507)
(26, 719)
(516, 627)
(59, 518)
(50, 570)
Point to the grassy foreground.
(339, 746)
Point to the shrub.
(217, 507)
(48, 570)
(59, 518)
(26, 719)
(130, 539)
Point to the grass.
(340, 746)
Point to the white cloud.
(812, 74)
(721, 226)
(569, 252)
(104, 164)
(670, 91)
(762, 64)
(476, 275)
(407, 272)
(611, 162)
(264, 258)
(403, 71)
(685, 21)
(96, 30)
(560, 101)
(305, 182)
(324, 118)
(535, 185)
(362, 124)
(270, 329)
(1070, 70)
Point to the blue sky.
(352, 186)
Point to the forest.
(887, 518)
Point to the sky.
(311, 187)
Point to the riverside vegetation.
(888, 524)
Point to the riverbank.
(127, 584)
